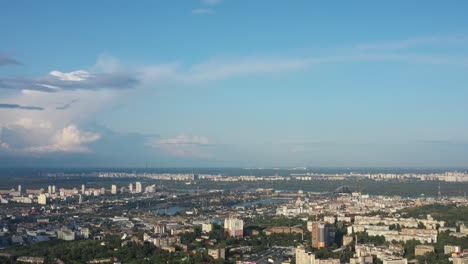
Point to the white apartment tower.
(114, 189)
(234, 226)
(138, 188)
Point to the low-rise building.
(162, 240)
(283, 230)
(34, 260)
(421, 250)
(347, 240)
(207, 227)
(449, 249)
(101, 260)
(304, 257)
(460, 258)
(361, 259)
(395, 261)
(66, 234)
(217, 253)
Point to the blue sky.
(234, 83)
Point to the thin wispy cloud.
(206, 11)
(4, 60)
(203, 11)
(219, 69)
(392, 57)
(56, 81)
(415, 42)
(17, 106)
(227, 68)
(183, 146)
(212, 2)
(66, 106)
(102, 85)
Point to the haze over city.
(212, 83)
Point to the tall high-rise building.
(234, 226)
(53, 188)
(49, 189)
(138, 187)
(19, 188)
(130, 187)
(114, 189)
(320, 235)
(83, 188)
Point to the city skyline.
(233, 84)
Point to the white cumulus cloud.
(68, 139)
